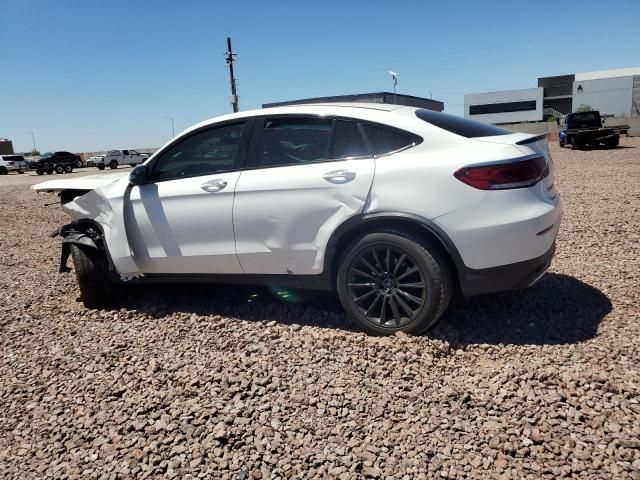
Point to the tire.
(49, 170)
(575, 145)
(100, 167)
(613, 142)
(59, 169)
(92, 275)
(113, 164)
(78, 164)
(561, 144)
(369, 288)
(3, 171)
(40, 171)
(68, 168)
(20, 172)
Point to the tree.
(584, 108)
(34, 153)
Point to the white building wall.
(504, 97)
(612, 96)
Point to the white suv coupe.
(394, 207)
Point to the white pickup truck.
(113, 158)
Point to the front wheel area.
(92, 275)
(390, 282)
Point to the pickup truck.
(59, 162)
(113, 158)
(12, 163)
(583, 129)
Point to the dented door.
(284, 215)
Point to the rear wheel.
(78, 163)
(390, 282)
(40, 171)
(20, 172)
(59, 169)
(613, 142)
(92, 275)
(68, 169)
(100, 167)
(49, 170)
(3, 171)
(575, 144)
(113, 164)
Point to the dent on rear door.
(283, 217)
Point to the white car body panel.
(177, 227)
(89, 182)
(277, 232)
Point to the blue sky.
(89, 75)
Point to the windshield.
(48, 154)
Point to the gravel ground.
(220, 382)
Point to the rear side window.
(459, 125)
(348, 141)
(294, 141)
(385, 140)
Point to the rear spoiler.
(535, 138)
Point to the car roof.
(348, 109)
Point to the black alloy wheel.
(389, 282)
(387, 286)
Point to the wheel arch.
(418, 226)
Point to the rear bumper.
(505, 277)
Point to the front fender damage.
(85, 234)
(97, 224)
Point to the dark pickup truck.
(584, 129)
(59, 162)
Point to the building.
(378, 97)
(6, 147)
(614, 92)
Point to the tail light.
(504, 176)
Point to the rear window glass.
(348, 141)
(386, 140)
(13, 158)
(459, 125)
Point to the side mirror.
(139, 175)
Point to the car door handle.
(339, 176)
(213, 186)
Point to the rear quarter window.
(459, 125)
(385, 140)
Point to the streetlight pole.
(33, 139)
(173, 131)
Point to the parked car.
(120, 157)
(12, 163)
(95, 160)
(394, 207)
(585, 129)
(59, 162)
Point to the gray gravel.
(215, 382)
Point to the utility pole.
(229, 58)
(173, 130)
(33, 139)
(394, 76)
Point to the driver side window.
(204, 153)
(294, 141)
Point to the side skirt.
(306, 282)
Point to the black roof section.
(376, 97)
